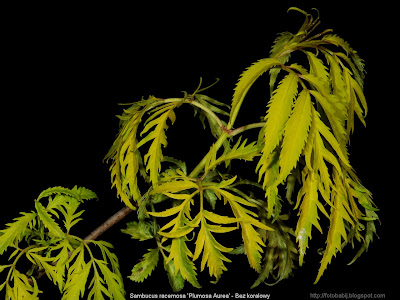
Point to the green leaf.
(48, 222)
(158, 137)
(114, 282)
(324, 130)
(212, 122)
(180, 164)
(169, 212)
(277, 49)
(218, 219)
(128, 157)
(182, 209)
(238, 151)
(280, 254)
(61, 260)
(317, 67)
(336, 76)
(358, 63)
(78, 274)
(176, 280)
(22, 289)
(12, 235)
(180, 255)
(139, 231)
(146, 266)
(177, 232)
(295, 136)
(182, 224)
(251, 238)
(337, 230)
(278, 113)
(333, 106)
(98, 287)
(45, 263)
(246, 80)
(108, 255)
(57, 190)
(212, 250)
(71, 219)
(370, 231)
(308, 197)
(211, 198)
(84, 193)
(175, 186)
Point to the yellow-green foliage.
(301, 148)
(303, 138)
(43, 240)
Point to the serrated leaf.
(145, 267)
(48, 222)
(270, 170)
(308, 213)
(279, 256)
(317, 67)
(276, 50)
(15, 231)
(84, 193)
(358, 66)
(108, 255)
(208, 102)
(57, 190)
(97, 287)
(295, 136)
(218, 219)
(174, 186)
(324, 130)
(181, 209)
(336, 76)
(238, 151)
(128, 162)
(176, 280)
(177, 232)
(212, 251)
(278, 113)
(334, 108)
(180, 164)
(114, 282)
(180, 255)
(211, 198)
(61, 260)
(158, 137)
(358, 90)
(22, 289)
(78, 274)
(336, 232)
(251, 238)
(138, 231)
(126, 159)
(370, 231)
(247, 79)
(47, 264)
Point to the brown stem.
(114, 219)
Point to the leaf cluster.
(301, 152)
(43, 239)
(301, 147)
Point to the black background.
(66, 67)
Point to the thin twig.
(114, 219)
